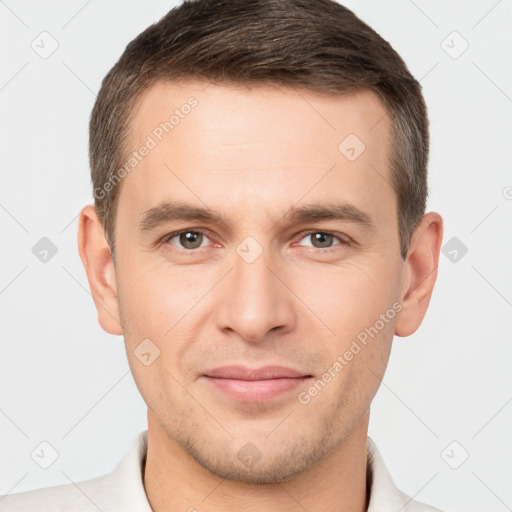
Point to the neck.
(176, 481)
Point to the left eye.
(322, 239)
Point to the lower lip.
(255, 390)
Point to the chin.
(270, 465)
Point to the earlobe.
(97, 260)
(419, 273)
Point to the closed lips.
(264, 373)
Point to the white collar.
(384, 495)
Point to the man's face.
(261, 287)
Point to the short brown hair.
(317, 45)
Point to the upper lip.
(264, 373)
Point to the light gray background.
(66, 382)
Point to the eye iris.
(191, 239)
(324, 239)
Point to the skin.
(252, 154)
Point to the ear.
(97, 259)
(419, 273)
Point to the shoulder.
(384, 494)
(407, 504)
(76, 497)
(121, 490)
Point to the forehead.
(255, 147)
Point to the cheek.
(159, 303)
(357, 301)
(154, 297)
(351, 296)
(352, 376)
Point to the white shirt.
(122, 490)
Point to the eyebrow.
(170, 211)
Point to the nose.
(255, 299)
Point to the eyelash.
(167, 238)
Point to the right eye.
(188, 239)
